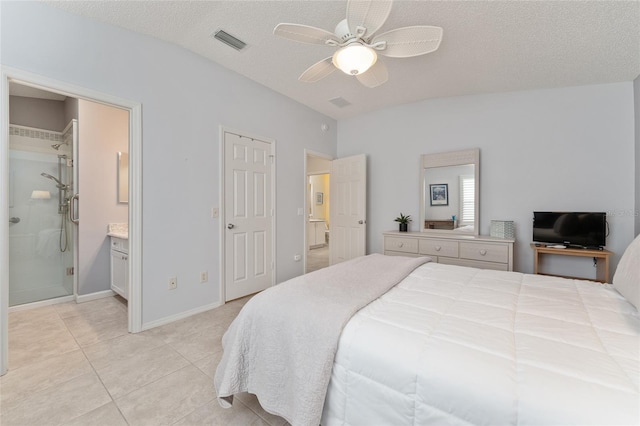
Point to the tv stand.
(600, 259)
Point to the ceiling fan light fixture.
(354, 59)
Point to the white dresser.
(464, 250)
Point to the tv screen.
(578, 229)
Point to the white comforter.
(454, 345)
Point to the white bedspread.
(282, 344)
(457, 346)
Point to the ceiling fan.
(358, 45)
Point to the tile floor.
(317, 258)
(76, 364)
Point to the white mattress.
(455, 345)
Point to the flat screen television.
(572, 229)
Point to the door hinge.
(70, 271)
(273, 157)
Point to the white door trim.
(221, 209)
(307, 153)
(135, 190)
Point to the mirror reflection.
(449, 198)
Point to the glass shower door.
(40, 235)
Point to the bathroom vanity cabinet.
(120, 266)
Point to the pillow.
(627, 277)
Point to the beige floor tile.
(128, 374)
(252, 402)
(72, 309)
(33, 348)
(102, 354)
(196, 346)
(58, 404)
(88, 332)
(213, 414)
(168, 399)
(209, 364)
(107, 415)
(42, 375)
(32, 316)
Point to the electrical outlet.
(204, 277)
(215, 213)
(173, 283)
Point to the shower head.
(57, 146)
(48, 176)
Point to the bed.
(442, 345)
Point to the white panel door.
(348, 209)
(248, 216)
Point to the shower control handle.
(14, 220)
(72, 209)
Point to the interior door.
(248, 215)
(348, 208)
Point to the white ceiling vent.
(340, 102)
(229, 40)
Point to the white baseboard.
(94, 296)
(55, 301)
(181, 315)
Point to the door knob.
(14, 220)
(361, 222)
(231, 226)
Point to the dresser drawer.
(439, 248)
(120, 244)
(484, 252)
(406, 245)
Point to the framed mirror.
(123, 177)
(449, 197)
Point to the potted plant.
(403, 222)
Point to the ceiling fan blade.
(303, 33)
(369, 14)
(374, 76)
(410, 41)
(318, 71)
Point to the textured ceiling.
(488, 46)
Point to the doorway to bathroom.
(317, 219)
(54, 255)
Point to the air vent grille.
(340, 102)
(229, 40)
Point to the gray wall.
(39, 113)
(185, 99)
(569, 149)
(636, 93)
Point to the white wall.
(185, 99)
(562, 149)
(103, 131)
(636, 97)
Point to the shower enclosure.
(41, 233)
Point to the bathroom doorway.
(133, 112)
(54, 255)
(317, 219)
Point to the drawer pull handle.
(438, 248)
(400, 244)
(483, 252)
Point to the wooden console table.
(600, 258)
